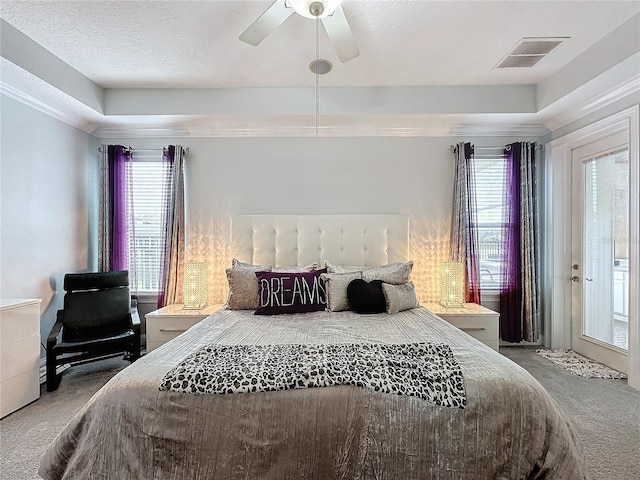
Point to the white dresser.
(19, 353)
(168, 322)
(473, 319)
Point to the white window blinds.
(490, 191)
(146, 200)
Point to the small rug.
(579, 365)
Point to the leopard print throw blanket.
(424, 370)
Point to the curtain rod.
(496, 147)
(131, 149)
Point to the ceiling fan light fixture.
(320, 66)
(314, 8)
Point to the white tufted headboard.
(285, 240)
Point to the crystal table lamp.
(194, 286)
(452, 284)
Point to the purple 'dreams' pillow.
(295, 292)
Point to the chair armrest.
(137, 330)
(135, 316)
(55, 331)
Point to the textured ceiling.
(185, 44)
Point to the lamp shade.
(194, 286)
(452, 284)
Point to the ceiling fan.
(329, 11)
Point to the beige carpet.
(605, 413)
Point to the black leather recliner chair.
(99, 320)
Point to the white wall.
(44, 205)
(226, 176)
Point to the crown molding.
(70, 118)
(446, 129)
(501, 130)
(629, 87)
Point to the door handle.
(575, 278)
(588, 279)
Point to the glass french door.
(600, 251)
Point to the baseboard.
(539, 343)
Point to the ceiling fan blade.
(340, 35)
(266, 23)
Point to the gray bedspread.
(510, 429)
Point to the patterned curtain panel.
(464, 234)
(520, 292)
(104, 231)
(172, 262)
(112, 240)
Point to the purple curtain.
(117, 159)
(511, 311)
(114, 212)
(520, 290)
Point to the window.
(490, 190)
(146, 197)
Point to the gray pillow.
(400, 297)
(238, 265)
(335, 285)
(243, 285)
(394, 273)
(296, 269)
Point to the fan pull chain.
(317, 76)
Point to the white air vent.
(529, 51)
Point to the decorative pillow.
(243, 286)
(307, 268)
(336, 287)
(400, 297)
(295, 292)
(238, 265)
(394, 273)
(235, 263)
(366, 297)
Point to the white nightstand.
(473, 319)
(168, 322)
(19, 353)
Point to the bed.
(509, 428)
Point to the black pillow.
(366, 297)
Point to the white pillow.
(335, 285)
(400, 297)
(394, 273)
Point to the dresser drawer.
(475, 320)
(483, 328)
(19, 357)
(18, 391)
(163, 329)
(168, 322)
(19, 322)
